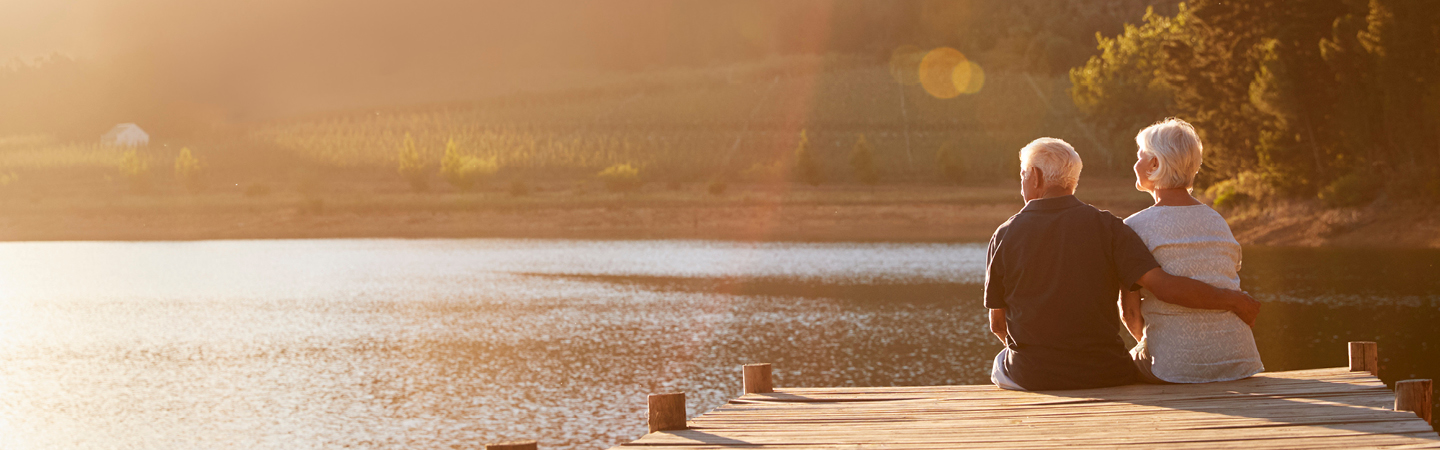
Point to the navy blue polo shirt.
(1056, 267)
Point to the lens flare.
(905, 64)
(946, 73)
(937, 72)
(969, 78)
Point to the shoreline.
(914, 213)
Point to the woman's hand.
(1130, 314)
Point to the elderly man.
(1052, 276)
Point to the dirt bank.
(1308, 224)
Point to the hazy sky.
(282, 56)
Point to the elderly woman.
(1179, 344)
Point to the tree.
(807, 168)
(412, 168)
(135, 170)
(187, 170)
(862, 160)
(951, 163)
(1124, 88)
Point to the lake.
(452, 343)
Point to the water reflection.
(436, 343)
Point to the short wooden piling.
(667, 411)
(514, 445)
(1414, 395)
(757, 379)
(1365, 357)
(1315, 408)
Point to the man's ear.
(1039, 177)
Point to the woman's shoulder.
(1192, 217)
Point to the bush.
(1413, 183)
(135, 170)
(312, 206)
(1354, 189)
(465, 171)
(716, 187)
(1244, 189)
(807, 167)
(187, 170)
(862, 159)
(764, 173)
(518, 188)
(412, 168)
(620, 178)
(951, 164)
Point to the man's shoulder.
(1004, 227)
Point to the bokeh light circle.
(937, 72)
(969, 78)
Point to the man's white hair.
(1055, 158)
(1174, 143)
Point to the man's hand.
(1194, 294)
(997, 325)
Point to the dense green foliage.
(1309, 97)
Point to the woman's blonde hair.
(1174, 143)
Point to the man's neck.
(1055, 193)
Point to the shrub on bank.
(187, 170)
(764, 173)
(412, 168)
(862, 159)
(519, 188)
(135, 170)
(1244, 189)
(620, 178)
(1354, 189)
(465, 171)
(807, 166)
(951, 164)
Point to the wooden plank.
(1323, 408)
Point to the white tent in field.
(126, 135)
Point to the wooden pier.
(1345, 407)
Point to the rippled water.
(450, 343)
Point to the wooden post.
(757, 379)
(667, 411)
(1414, 395)
(1365, 357)
(515, 445)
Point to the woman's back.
(1194, 345)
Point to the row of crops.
(708, 124)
